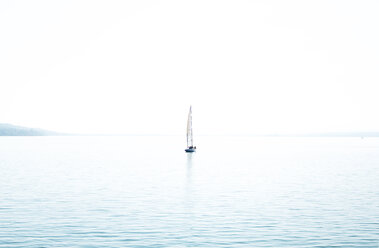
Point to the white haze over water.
(134, 67)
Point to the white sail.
(189, 129)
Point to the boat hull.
(190, 150)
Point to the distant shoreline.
(13, 130)
(10, 130)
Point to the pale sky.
(135, 67)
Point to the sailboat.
(190, 146)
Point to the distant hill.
(12, 130)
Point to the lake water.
(147, 192)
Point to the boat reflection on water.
(190, 157)
(189, 187)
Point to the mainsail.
(189, 129)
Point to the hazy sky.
(134, 67)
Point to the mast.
(189, 128)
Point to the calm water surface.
(147, 192)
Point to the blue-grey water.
(147, 192)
